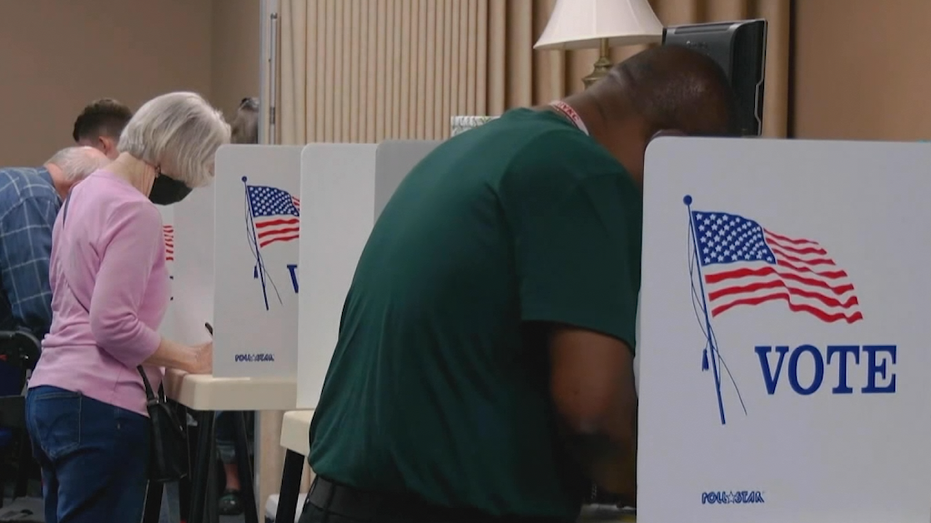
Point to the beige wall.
(57, 55)
(235, 50)
(863, 69)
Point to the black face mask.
(166, 190)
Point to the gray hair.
(246, 124)
(179, 133)
(78, 162)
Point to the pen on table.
(209, 328)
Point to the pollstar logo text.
(732, 497)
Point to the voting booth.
(345, 187)
(238, 248)
(783, 322)
(394, 159)
(235, 249)
(193, 269)
(257, 234)
(338, 188)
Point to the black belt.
(364, 506)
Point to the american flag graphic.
(743, 263)
(168, 232)
(272, 215)
(275, 213)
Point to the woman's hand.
(173, 355)
(202, 358)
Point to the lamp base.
(602, 66)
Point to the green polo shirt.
(439, 384)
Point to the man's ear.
(108, 145)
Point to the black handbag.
(168, 457)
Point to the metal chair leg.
(203, 465)
(213, 489)
(246, 476)
(153, 503)
(25, 466)
(290, 487)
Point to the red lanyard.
(566, 110)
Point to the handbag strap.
(149, 393)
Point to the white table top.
(294, 429)
(204, 392)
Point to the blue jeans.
(226, 435)
(94, 457)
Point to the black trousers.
(313, 514)
(331, 503)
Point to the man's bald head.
(70, 165)
(666, 88)
(675, 88)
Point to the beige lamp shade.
(581, 24)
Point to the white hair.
(179, 133)
(78, 162)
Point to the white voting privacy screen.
(167, 327)
(193, 276)
(394, 159)
(256, 252)
(345, 186)
(784, 361)
(338, 186)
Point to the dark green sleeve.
(577, 247)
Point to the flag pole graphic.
(708, 333)
(255, 242)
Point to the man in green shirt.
(484, 365)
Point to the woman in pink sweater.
(86, 407)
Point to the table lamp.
(583, 24)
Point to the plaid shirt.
(29, 204)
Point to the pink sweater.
(109, 256)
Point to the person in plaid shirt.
(29, 201)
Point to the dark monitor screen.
(740, 49)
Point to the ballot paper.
(461, 124)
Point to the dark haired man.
(484, 367)
(99, 125)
